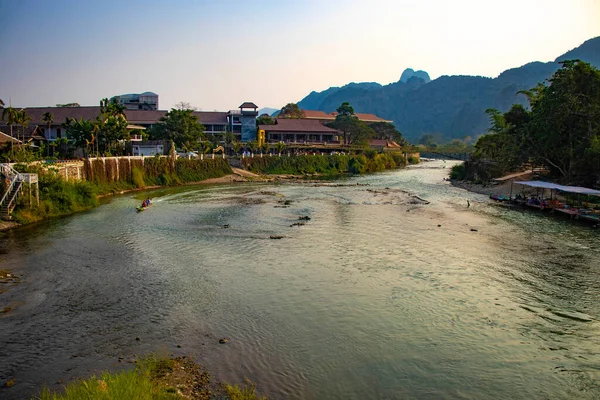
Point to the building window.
(58, 133)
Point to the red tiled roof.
(384, 143)
(321, 115)
(370, 118)
(298, 125)
(318, 114)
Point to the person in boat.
(146, 203)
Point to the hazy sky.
(218, 54)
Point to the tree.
(10, 116)
(291, 110)
(565, 120)
(345, 109)
(280, 146)
(112, 124)
(22, 119)
(236, 146)
(184, 105)
(81, 132)
(353, 130)
(252, 146)
(48, 118)
(180, 126)
(385, 130)
(265, 119)
(1, 104)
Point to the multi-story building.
(135, 101)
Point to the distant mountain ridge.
(449, 106)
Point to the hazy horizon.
(216, 55)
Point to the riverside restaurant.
(575, 201)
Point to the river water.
(378, 296)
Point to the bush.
(458, 171)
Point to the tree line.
(560, 130)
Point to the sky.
(217, 54)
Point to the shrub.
(458, 171)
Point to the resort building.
(312, 129)
(299, 131)
(134, 101)
(329, 117)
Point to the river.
(378, 296)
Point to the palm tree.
(48, 118)
(1, 104)
(23, 120)
(9, 115)
(237, 146)
(280, 146)
(252, 146)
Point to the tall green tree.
(565, 120)
(10, 116)
(291, 110)
(386, 130)
(112, 124)
(353, 130)
(22, 119)
(81, 132)
(48, 118)
(180, 126)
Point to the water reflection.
(374, 297)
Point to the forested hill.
(449, 106)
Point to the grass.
(245, 392)
(154, 378)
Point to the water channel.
(379, 296)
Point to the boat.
(142, 208)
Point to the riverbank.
(500, 187)
(155, 378)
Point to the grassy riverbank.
(59, 197)
(154, 378)
(368, 161)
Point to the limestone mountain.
(409, 73)
(450, 106)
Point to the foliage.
(291, 110)
(369, 161)
(385, 130)
(57, 197)
(196, 170)
(111, 125)
(304, 164)
(265, 119)
(354, 131)
(82, 133)
(562, 130)
(245, 392)
(458, 171)
(180, 126)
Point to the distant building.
(150, 147)
(304, 131)
(134, 101)
(245, 121)
(328, 117)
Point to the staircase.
(14, 186)
(10, 200)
